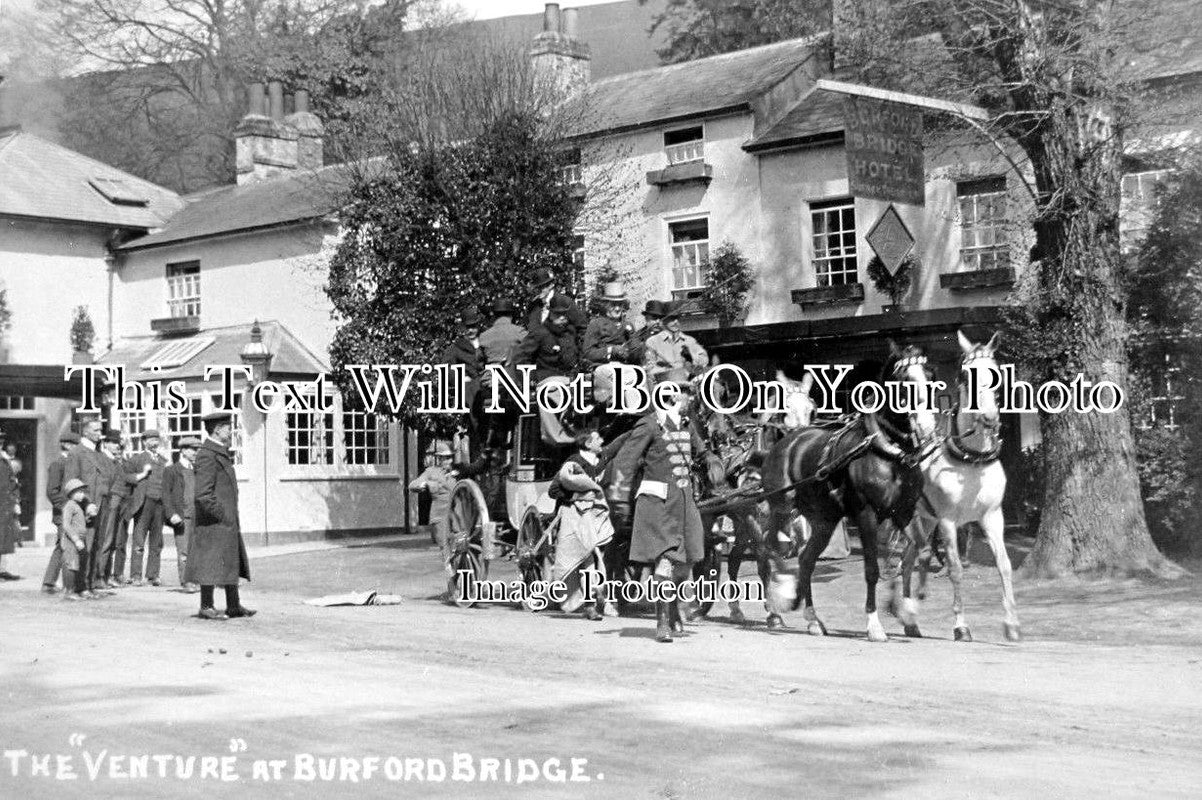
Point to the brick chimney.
(560, 59)
(310, 149)
(265, 144)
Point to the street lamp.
(256, 355)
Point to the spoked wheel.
(535, 555)
(466, 518)
(710, 566)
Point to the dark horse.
(865, 469)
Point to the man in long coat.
(57, 498)
(217, 557)
(8, 503)
(540, 311)
(667, 530)
(84, 464)
(179, 505)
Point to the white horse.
(964, 483)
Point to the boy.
(439, 479)
(71, 538)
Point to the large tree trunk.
(1093, 517)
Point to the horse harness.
(955, 445)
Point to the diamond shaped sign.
(890, 239)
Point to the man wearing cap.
(57, 496)
(217, 556)
(145, 470)
(438, 479)
(672, 349)
(540, 313)
(72, 534)
(84, 464)
(179, 504)
(667, 531)
(8, 505)
(116, 492)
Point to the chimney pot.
(302, 101)
(571, 23)
(551, 18)
(257, 101)
(275, 96)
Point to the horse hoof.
(775, 623)
(877, 636)
(1012, 632)
(962, 635)
(816, 628)
(737, 617)
(912, 631)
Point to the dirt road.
(1102, 699)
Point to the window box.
(175, 324)
(826, 295)
(691, 172)
(977, 279)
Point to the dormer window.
(183, 289)
(685, 145)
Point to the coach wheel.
(466, 518)
(535, 553)
(708, 569)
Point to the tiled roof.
(720, 83)
(290, 355)
(261, 204)
(819, 113)
(44, 180)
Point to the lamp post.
(256, 356)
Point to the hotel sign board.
(883, 141)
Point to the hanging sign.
(883, 141)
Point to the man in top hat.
(179, 504)
(145, 471)
(57, 496)
(503, 335)
(217, 556)
(540, 313)
(607, 338)
(8, 506)
(608, 342)
(672, 349)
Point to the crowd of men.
(99, 495)
(560, 340)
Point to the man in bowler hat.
(217, 557)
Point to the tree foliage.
(729, 280)
(1165, 312)
(1064, 86)
(83, 332)
(166, 79)
(442, 227)
(700, 28)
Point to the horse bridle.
(989, 429)
(919, 447)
